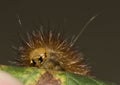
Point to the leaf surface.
(35, 76)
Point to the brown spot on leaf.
(48, 79)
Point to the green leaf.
(35, 76)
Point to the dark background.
(100, 42)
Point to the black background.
(100, 42)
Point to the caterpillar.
(50, 50)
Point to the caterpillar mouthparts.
(49, 50)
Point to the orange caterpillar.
(49, 50)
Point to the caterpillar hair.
(50, 50)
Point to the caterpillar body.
(49, 49)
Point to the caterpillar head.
(44, 58)
(38, 57)
(49, 50)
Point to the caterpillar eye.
(40, 59)
(33, 62)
